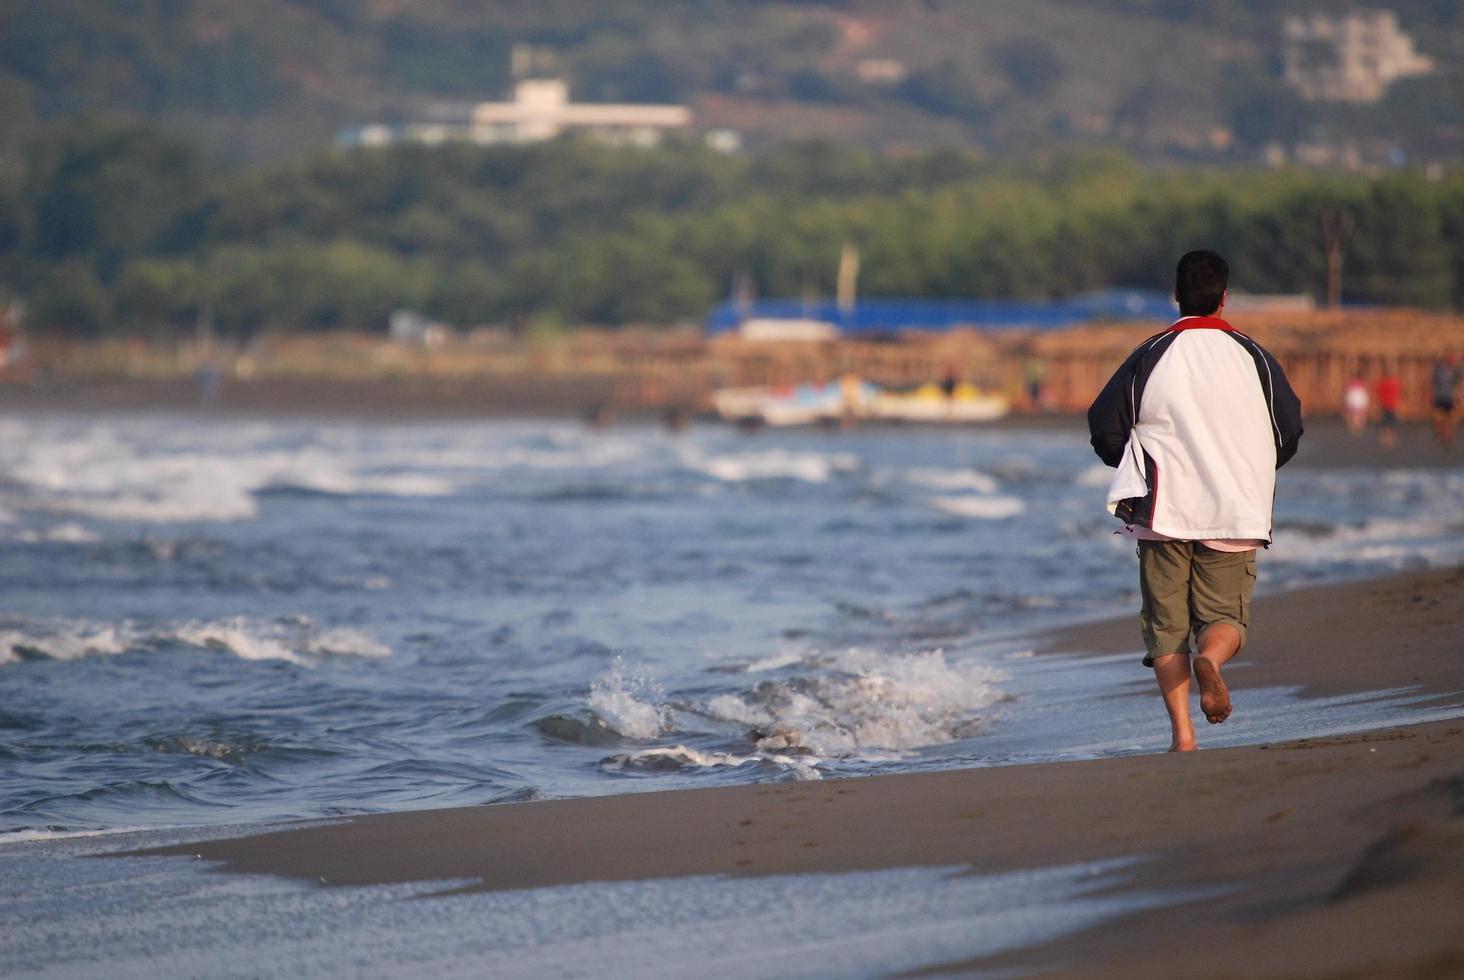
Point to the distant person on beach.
(208, 383)
(1355, 404)
(1446, 377)
(1035, 374)
(948, 382)
(1197, 420)
(1390, 392)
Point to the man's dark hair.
(1199, 283)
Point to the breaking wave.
(981, 508)
(772, 464)
(862, 701)
(680, 758)
(297, 641)
(814, 708)
(629, 702)
(166, 476)
(973, 481)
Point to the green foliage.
(13, 214)
(105, 190)
(1451, 225)
(82, 57)
(1398, 246)
(156, 296)
(467, 293)
(113, 227)
(70, 300)
(444, 60)
(294, 287)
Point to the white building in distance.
(1348, 58)
(540, 110)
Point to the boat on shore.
(931, 403)
(808, 404)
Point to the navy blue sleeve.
(1285, 410)
(1111, 416)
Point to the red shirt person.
(1389, 392)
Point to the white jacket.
(1197, 420)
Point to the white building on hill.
(1348, 58)
(540, 110)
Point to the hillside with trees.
(119, 228)
(1166, 81)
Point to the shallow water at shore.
(229, 619)
(145, 916)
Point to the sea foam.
(772, 464)
(858, 702)
(680, 758)
(166, 475)
(932, 478)
(297, 641)
(980, 508)
(629, 701)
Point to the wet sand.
(1339, 856)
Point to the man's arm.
(1111, 416)
(1286, 410)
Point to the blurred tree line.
(114, 227)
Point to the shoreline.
(1329, 855)
(1326, 445)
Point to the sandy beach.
(1336, 856)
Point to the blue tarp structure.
(876, 316)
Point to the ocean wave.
(629, 701)
(329, 483)
(172, 478)
(980, 508)
(970, 480)
(771, 464)
(218, 747)
(567, 452)
(862, 701)
(1097, 476)
(573, 729)
(184, 501)
(680, 758)
(598, 492)
(67, 533)
(298, 641)
(1428, 538)
(63, 641)
(30, 834)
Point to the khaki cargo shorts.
(1187, 588)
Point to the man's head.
(1200, 283)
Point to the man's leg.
(1220, 590)
(1173, 672)
(1218, 643)
(1164, 582)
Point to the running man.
(1197, 420)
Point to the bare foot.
(1187, 746)
(1214, 695)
